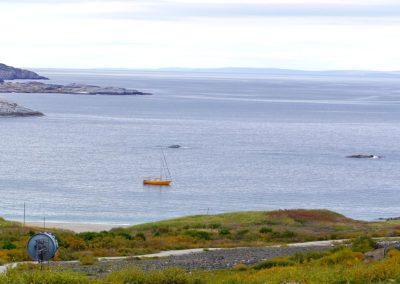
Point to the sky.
(290, 34)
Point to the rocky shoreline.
(11, 73)
(9, 109)
(72, 89)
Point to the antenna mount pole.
(24, 214)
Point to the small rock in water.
(175, 146)
(363, 156)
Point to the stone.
(375, 255)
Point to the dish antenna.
(42, 247)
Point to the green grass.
(258, 227)
(340, 265)
(238, 229)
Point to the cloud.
(190, 33)
(183, 9)
(176, 11)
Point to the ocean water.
(250, 142)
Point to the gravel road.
(208, 260)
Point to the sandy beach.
(76, 227)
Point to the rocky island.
(12, 109)
(73, 89)
(11, 73)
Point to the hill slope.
(11, 73)
(238, 229)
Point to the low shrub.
(308, 256)
(214, 226)
(265, 230)
(224, 232)
(87, 258)
(140, 236)
(8, 245)
(363, 244)
(345, 256)
(137, 276)
(198, 234)
(88, 236)
(42, 277)
(240, 267)
(273, 262)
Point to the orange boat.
(165, 176)
(157, 181)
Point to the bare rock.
(11, 73)
(74, 89)
(363, 156)
(12, 109)
(175, 146)
(375, 255)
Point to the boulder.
(375, 255)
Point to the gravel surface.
(208, 260)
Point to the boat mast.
(161, 168)
(168, 173)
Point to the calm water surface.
(251, 142)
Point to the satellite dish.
(42, 246)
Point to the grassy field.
(340, 265)
(223, 230)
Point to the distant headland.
(11, 73)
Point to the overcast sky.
(295, 34)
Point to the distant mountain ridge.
(11, 73)
(279, 71)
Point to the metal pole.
(44, 222)
(24, 214)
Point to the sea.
(249, 141)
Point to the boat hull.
(157, 182)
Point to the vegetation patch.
(341, 265)
(237, 229)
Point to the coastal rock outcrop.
(11, 73)
(363, 156)
(175, 146)
(12, 109)
(74, 89)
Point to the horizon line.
(227, 68)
